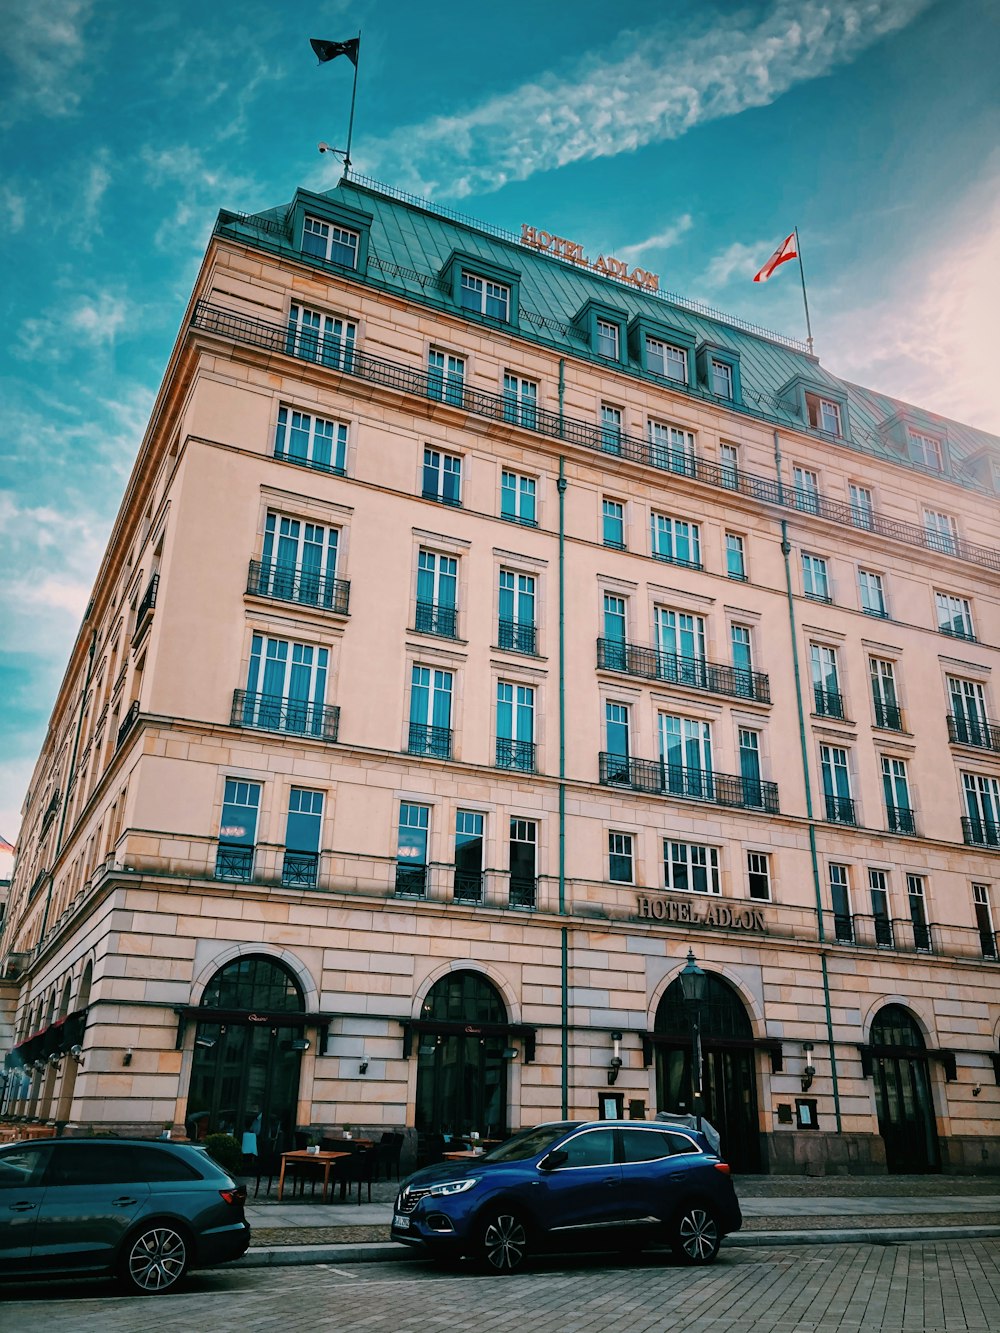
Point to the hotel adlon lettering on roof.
(518, 662)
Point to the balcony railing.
(523, 890)
(468, 887)
(292, 583)
(435, 618)
(393, 375)
(128, 722)
(900, 819)
(516, 754)
(828, 703)
(518, 636)
(973, 731)
(696, 672)
(411, 881)
(276, 712)
(146, 606)
(978, 832)
(889, 716)
(300, 869)
(840, 809)
(434, 741)
(234, 863)
(659, 778)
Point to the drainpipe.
(69, 776)
(561, 486)
(814, 858)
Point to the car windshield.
(529, 1143)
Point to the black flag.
(330, 50)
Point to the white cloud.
(736, 261)
(14, 207)
(631, 254)
(204, 188)
(645, 88)
(95, 185)
(44, 44)
(86, 322)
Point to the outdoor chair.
(357, 1168)
(388, 1153)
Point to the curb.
(280, 1256)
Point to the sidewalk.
(777, 1210)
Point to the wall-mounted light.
(428, 1048)
(510, 1053)
(977, 1090)
(77, 1053)
(363, 1067)
(809, 1069)
(616, 1060)
(206, 1043)
(127, 1057)
(300, 1044)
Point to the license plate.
(401, 1223)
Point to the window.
(468, 887)
(613, 524)
(620, 862)
(878, 887)
(516, 629)
(686, 756)
(940, 532)
(298, 563)
(806, 490)
(749, 746)
(954, 616)
(824, 414)
(729, 463)
(328, 241)
(611, 429)
(311, 441)
(671, 448)
(759, 876)
(430, 712)
(315, 336)
(676, 540)
(615, 645)
(680, 647)
(982, 803)
(616, 731)
(445, 377)
(411, 849)
(664, 359)
(690, 867)
(286, 688)
(515, 726)
(742, 656)
(815, 578)
(883, 681)
(836, 785)
(520, 400)
(722, 379)
(969, 725)
(840, 900)
(442, 477)
(918, 912)
(652, 1145)
(608, 336)
(872, 594)
(523, 862)
(485, 297)
(302, 837)
(896, 790)
(984, 919)
(437, 594)
(826, 683)
(926, 450)
(594, 1148)
(237, 830)
(736, 564)
(862, 506)
(518, 498)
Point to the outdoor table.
(467, 1155)
(323, 1159)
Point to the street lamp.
(693, 983)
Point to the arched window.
(254, 982)
(722, 1012)
(88, 975)
(464, 997)
(896, 1026)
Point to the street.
(927, 1287)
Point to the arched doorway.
(461, 1071)
(245, 1074)
(903, 1092)
(729, 1084)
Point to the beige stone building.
(480, 633)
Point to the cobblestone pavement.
(910, 1288)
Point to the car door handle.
(611, 1180)
(123, 1202)
(21, 1207)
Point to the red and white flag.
(5, 846)
(785, 251)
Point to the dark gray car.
(146, 1211)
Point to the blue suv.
(569, 1185)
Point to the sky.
(688, 138)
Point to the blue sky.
(688, 138)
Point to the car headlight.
(453, 1186)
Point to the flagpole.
(354, 93)
(802, 275)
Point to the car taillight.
(723, 1167)
(237, 1195)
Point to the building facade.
(480, 633)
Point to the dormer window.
(607, 339)
(722, 379)
(485, 297)
(926, 450)
(664, 359)
(326, 240)
(824, 414)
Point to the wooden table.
(467, 1156)
(323, 1159)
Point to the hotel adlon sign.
(696, 914)
(573, 252)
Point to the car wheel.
(695, 1235)
(154, 1259)
(503, 1245)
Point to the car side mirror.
(558, 1157)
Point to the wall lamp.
(77, 1053)
(300, 1044)
(809, 1070)
(363, 1067)
(206, 1043)
(616, 1060)
(127, 1057)
(509, 1053)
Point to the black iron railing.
(922, 939)
(148, 601)
(434, 741)
(523, 891)
(840, 809)
(888, 715)
(884, 934)
(411, 881)
(300, 869)
(516, 635)
(903, 934)
(284, 456)
(516, 754)
(900, 819)
(827, 703)
(128, 722)
(973, 731)
(292, 583)
(978, 832)
(392, 375)
(697, 672)
(276, 712)
(659, 778)
(435, 618)
(468, 886)
(234, 863)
